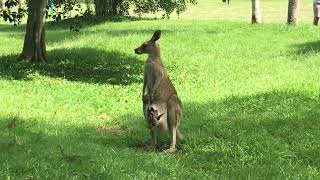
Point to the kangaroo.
(161, 105)
(154, 117)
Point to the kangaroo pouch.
(158, 123)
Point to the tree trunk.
(256, 15)
(2, 7)
(100, 6)
(114, 8)
(293, 7)
(34, 46)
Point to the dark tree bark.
(256, 15)
(107, 7)
(101, 7)
(34, 46)
(114, 8)
(293, 7)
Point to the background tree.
(10, 13)
(34, 46)
(101, 7)
(123, 7)
(255, 11)
(256, 15)
(293, 8)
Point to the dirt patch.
(104, 116)
(108, 129)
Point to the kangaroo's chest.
(152, 73)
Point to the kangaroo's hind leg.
(174, 117)
(179, 135)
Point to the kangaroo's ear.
(158, 118)
(156, 36)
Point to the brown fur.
(159, 93)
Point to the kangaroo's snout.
(137, 51)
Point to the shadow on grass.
(56, 34)
(91, 20)
(277, 125)
(78, 64)
(269, 134)
(29, 146)
(57, 31)
(9, 28)
(272, 128)
(308, 48)
(32, 148)
(85, 21)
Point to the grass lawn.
(240, 10)
(251, 98)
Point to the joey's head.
(153, 116)
(150, 47)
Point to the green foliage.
(166, 6)
(12, 14)
(123, 7)
(64, 9)
(226, 1)
(112, 7)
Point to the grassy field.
(240, 10)
(251, 98)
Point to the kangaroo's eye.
(144, 46)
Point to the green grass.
(240, 10)
(251, 98)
